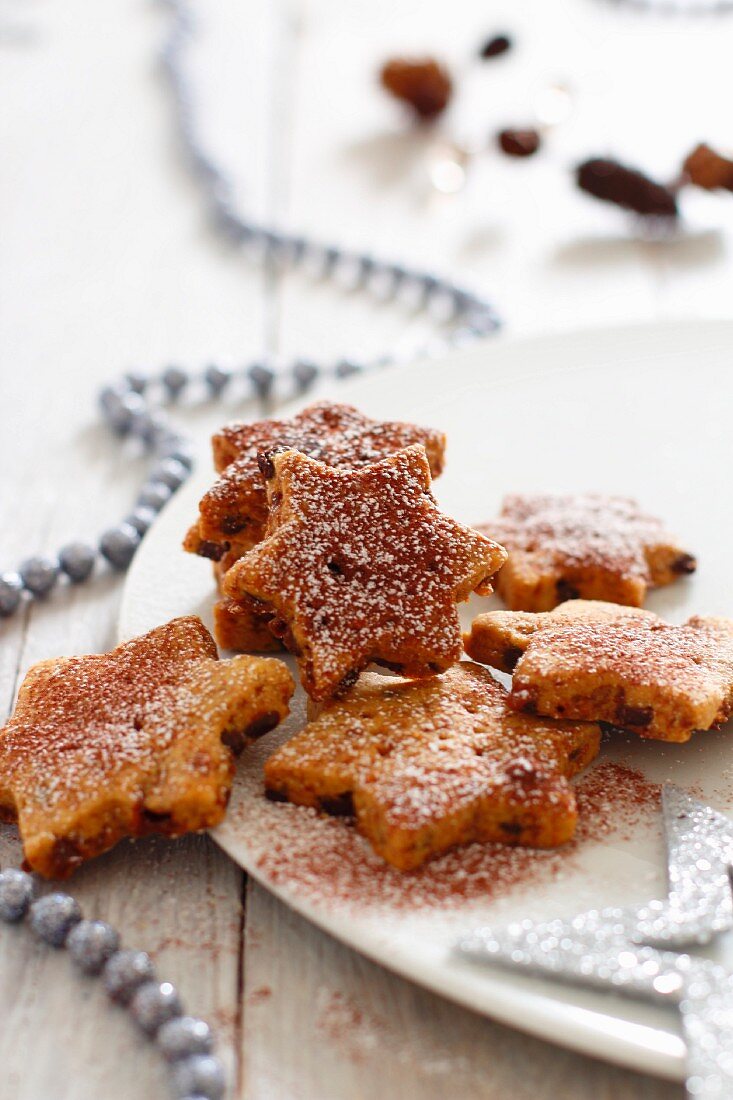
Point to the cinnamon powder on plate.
(327, 862)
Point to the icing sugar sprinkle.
(324, 861)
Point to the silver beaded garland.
(216, 379)
(154, 495)
(153, 1004)
(118, 545)
(39, 575)
(11, 589)
(184, 1036)
(175, 381)
(77, 561)
(199, 1075)
(128, 978)
(125, 972)
(91, 943)
(169, 472)
(16, 894)
(141, 519)
(52, 917)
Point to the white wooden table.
(107, 263)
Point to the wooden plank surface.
(107, 262)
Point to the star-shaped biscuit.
(362, 566)
(596, 547)
(425, 765)
(233, 514)
(243, 626)
(604, 663)
(139, 740)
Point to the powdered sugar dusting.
(234, 510)
(581, 530)
(82, 720)
(632, 669)
(426, 763)
(324, 861)
(362, 565)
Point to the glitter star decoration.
(360, 566)
(610, 948)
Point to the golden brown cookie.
(601, 662)
(587, 545)
(139, 740)
(362, 566)
(243, 626)
(426, 765)
(233, 514)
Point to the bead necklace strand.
(135, 404)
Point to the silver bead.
(226, 221)
(398, 273)
(124, 972)
(184, 1036)
(90, 943)
(262, 378)
(109, 400)
(174, 380)
(52, 917)
(349, 271)
(153, 1004)
(442, 304)
(317, 260)
(11, 588)
(170, 472)
(332, 254)
(130, 408)
(16, 894)
(150, 426)
(347, 367)
(77, 561)
(199, 1075)
(428, 284)
(305, 373)
(118, 545)
(136, 381)
(177, 448)
(141, 519)
(216, 379)
(39, 575)
(154, 495)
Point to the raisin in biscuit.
(587, 545)
(605, 663)
(425, 765)
(233, 514)
(362, 566)
(139, 740)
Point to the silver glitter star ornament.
(621, 949)
(699, 854)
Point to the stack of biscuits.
(327, 542)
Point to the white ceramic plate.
(643, 411)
